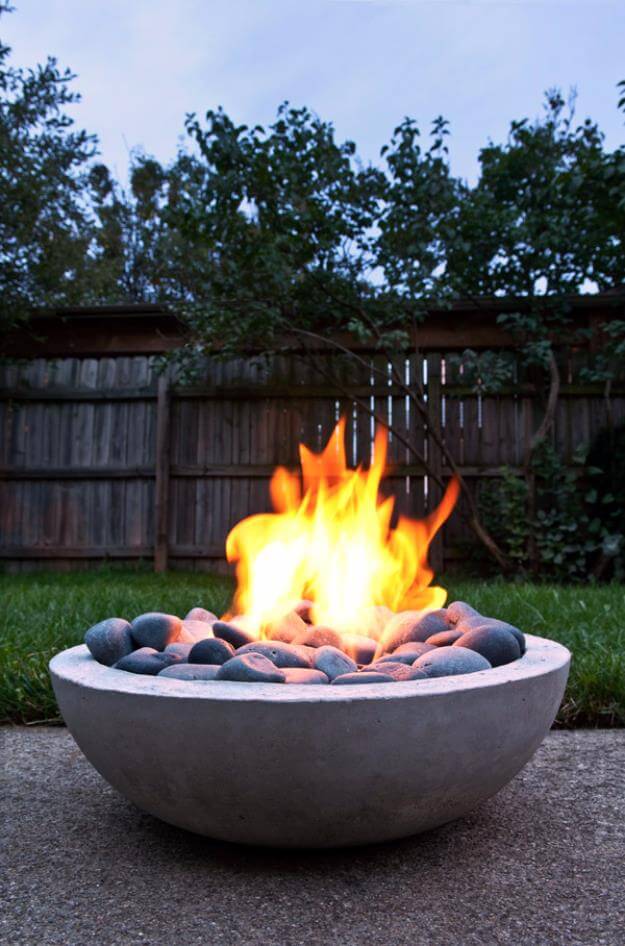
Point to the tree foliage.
(292, 230)
(44, 223)
(280, 219)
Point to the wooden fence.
(103, 457)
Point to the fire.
(330, 541)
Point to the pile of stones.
(411, 646)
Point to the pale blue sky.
(142, 64)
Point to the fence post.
(435, 459)
(161, 487)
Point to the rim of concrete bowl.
(77, 666)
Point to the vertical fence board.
(434, 452)
(162, 485)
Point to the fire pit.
(338, 703)
(317, 766)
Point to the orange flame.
(330, 540)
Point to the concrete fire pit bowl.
(302, 766)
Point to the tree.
(44, 223)
(140, 252)
(296, 231)
(545, 221)
(301, 244)
(279, 219)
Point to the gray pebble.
(191, 672)
(398, 671)
(412, 650)
(110, 640)
(451, 661)
(459, 610)
(468, 623)
(304, 675)
(155, 629)
(251, 668)
(211, 650)
(398, 626)
(444, 638)
(181, 650)
(319, 636)
(518, 635)
(415, 629)
(418, 674)
(234, 635)
(395, 658)
(201, 614)
(146, 660)
(494, 643)
(280, 654)
(287, 628)
(480, 622)
(359, 648)
(307, 652)
(333, 662)
(408, 657)
(362, 677)
(303, 609)
(193, 631)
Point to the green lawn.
(41, 614)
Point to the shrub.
(577, 529)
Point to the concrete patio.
(542, 863)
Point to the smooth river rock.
(287, 628)
(395, 658)
(211, 651)
(110, 640)
(280, 654)
(362, 677)
(482, 622)
(444, 638)
(333, 662)
(251, 668)
(360, 648)
(413, 626)
(318, 635)
(397, 670)
(411, 650)
(146, 660)
(459, 610)
(155, 630)
(495, 644)
(398, 628)
(234, 635)
(451, 661)
(201, 614)
(191, 672)
(193, 631)
(181, 650)
(303, 609)
(306, 675)
(468, 623)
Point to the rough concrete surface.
(542, 863)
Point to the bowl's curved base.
(297, 766)
(322, 836)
